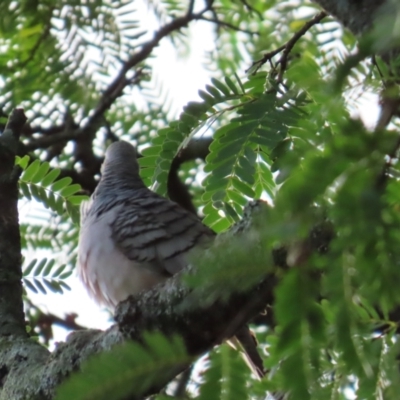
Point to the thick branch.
(11, 307)
(201, 328)
(357, 16)
(360, 16)
(58, 134)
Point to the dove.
(132, 239)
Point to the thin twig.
(228, 25)
(117, 86)
(266, 57)
(251, 8)
(120, 82)
(44, 322)
(374, 62)
(389, 107)
(290, 44)
(35, 48)
(287, 48)
(190, 8)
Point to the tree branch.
(357, 16)
(116, 88)
(228, 25)
(389, 107)
(287, 48)
(177, 190)
(12, 322)
(42, 323)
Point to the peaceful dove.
(132, 239)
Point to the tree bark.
(11, 308)
(356, 15)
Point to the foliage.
(225, 376)
(44, 276)
(136, 366)
(40, 182)
(285, 131)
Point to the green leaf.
(30, 286)
(65, 275)
(30, 267)
(25, 190)
(207, 98)
(70, 190)
(53, 286)
(63, 285)
(150, 151)
(30, 172)
(59, 271)
(73, 212)
(50, 177)
(220, 86)
(39, 286)
(39, 267)
(41, 172)
(22, 162)
(243, 187)
(61, 184)
(231, 85)
(225, 377)
(36, 193)
(239, 82)
(48, 267)
(214, 92)
(59, 206)
(77, 199)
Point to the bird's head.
(120, 156)
(120, 165)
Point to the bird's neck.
(124, 181)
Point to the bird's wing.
(85, 207)
(157, 232)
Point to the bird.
(132, 239)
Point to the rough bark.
(355, 15)
(360, 16)
(11, 308)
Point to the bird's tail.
(245, 341)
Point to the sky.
(183, 79)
